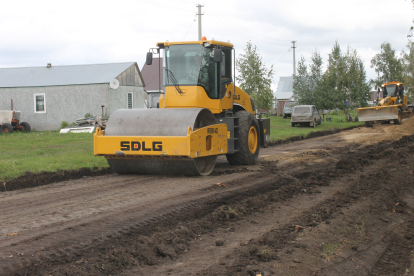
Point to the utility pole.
(199, 6)
(294, 61)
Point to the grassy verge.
(51, 151)
(46, 151)
(281, 129)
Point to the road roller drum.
(162, 141)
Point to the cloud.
(84, 32)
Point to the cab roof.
(391, 83)
(211, 42)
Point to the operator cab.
(199, 74)
(207, 64)
(393, 89)
(194, 65)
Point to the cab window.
(226, 66)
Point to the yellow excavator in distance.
(394, 106)
(201, 114)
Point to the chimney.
(49, 65)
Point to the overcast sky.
(34, 33)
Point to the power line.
(243, 34)
(190, 27)
(304, 46)
(223, 19)
(238, 30)
(304, 50)
(282, 56)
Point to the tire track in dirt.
(139, 232)
(148, 210)
(363, 230)
(235, 183)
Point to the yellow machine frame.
(195, 97)
(206, 141)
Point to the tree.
(315, 79)
(301, 84)
(408, 59)
(255, 78)
(387, 65)
(410, 34)
(343, 85)
(333, 89)
(356, 80)
(305, 83)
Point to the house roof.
(62, 75)
(150, 75)
(285, 88)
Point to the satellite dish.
(114, 84)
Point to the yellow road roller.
(200, 115)
(393, 106)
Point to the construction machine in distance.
(10, 120)
(201, 114)
(394, 106)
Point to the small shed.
(153, 78)
(284, 93)
(48, 95)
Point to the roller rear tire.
(249, 138)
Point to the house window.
(40, 103)
(130, 100)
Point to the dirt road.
(335, 205)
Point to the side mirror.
(218, 56)
(149, 59)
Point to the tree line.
(344, 84)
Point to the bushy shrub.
(64, 124)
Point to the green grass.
(46, 151)
(281, 128)
(330, 249)
(51, 151)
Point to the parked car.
(287, 108)
(306, 115)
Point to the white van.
(306, 115)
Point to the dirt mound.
(408, 125)
(29, 179)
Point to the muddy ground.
(335, 205)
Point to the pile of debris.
(86, 125)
